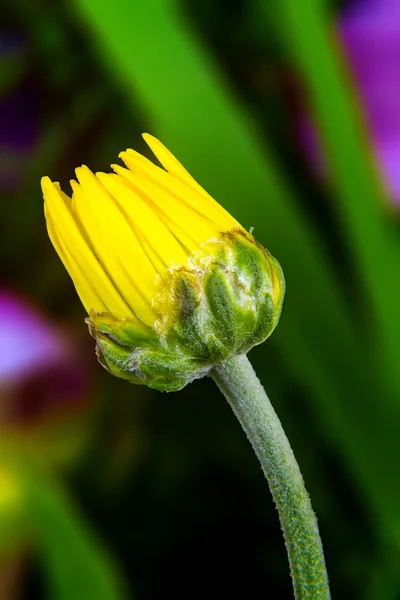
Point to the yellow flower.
(120, 232)
(172, 283)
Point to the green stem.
(238, 382)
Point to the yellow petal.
(78, 258)
(191, 194)
(86, 293)
(160, 245)
(186, 224)
(114, 243)
(171, 164)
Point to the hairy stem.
(238, 382)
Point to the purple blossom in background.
(370, 34)
(370, 30)
(40, 369)
(27, 341)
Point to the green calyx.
(227, 299)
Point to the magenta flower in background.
(40, 370)
(369, 31)
(27, 342)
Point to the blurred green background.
(113, 491)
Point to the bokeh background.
(288, 113)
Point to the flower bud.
(173, 284)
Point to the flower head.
(149, 252)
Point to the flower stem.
(240, 385)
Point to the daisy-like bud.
(173, 284)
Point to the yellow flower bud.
(144, 246)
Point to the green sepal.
(115, 358)
(127, 332)
(131, 350)
(167, 372)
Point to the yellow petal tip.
(49, 187)
(102, 176)
(80, 169)
(46, 184)
(128, 152)
(74, 185)
(118, 169)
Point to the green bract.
(227, 299)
